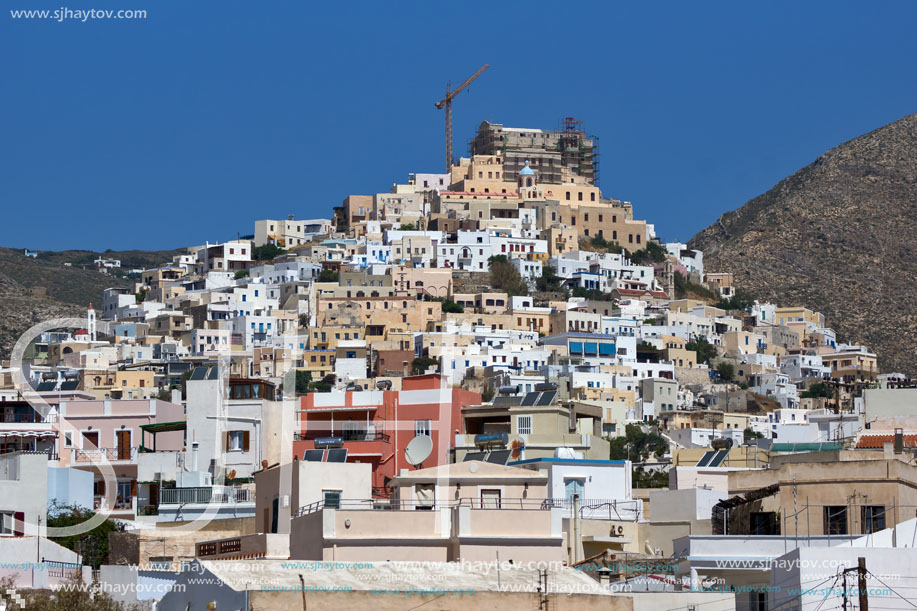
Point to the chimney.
(194, 445)
(405, 368)
(899, 441)
(888, 450)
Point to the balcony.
(29, 418)
(343, 435)
(412, 505)
(121, 504)
(206, 495)
(104, 454)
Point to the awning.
(28, 434)
(164, 427)
(609, 349)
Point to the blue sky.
(189, 125)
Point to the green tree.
(649, 479)
(92, 545)
(819, 389)
(638, 445)
(740, 300)
(242, 273)
(748, 435)
(505, 277)
(450, 307)
(420, 365)
(591, 294)
(726, 370)
(652, 253)
(704, 349)
(325, 385)
(303, 380)
(406, 227)
(267, 252)
(549, 280)
(327, 275)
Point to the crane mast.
(446, 103)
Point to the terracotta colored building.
(375, 426)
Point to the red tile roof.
(878, 441)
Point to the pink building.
(375, 426)
(96, 435)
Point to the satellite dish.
(418, 449)
(516, 448)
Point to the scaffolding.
(549, 152)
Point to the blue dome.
(526, 171)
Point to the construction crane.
(446, 103)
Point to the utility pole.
(844, 591)
(861, 583)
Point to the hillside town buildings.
(500, 364)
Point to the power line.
(895, 592)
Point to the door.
(124, 445)
(490, 499)
(123, 500)
(275, 509)
(573, 487)
(424, 496)
(91, 440)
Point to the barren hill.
(837, 236)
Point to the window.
(91, 440)
(568, 195)
(424, 495)
(835, 520)
(763, 523)
(11, 523)
(68, 440)
(524, 425)
(579, 196)
(490, 498)
(423, 427)
(237, 441)
(873, 517)
(332, 499)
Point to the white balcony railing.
(206, 495)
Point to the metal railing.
(81, 455)
(414, 505)
(63, 570)
(205, 495)
(33, 418)
(120, 504)
(224, 546)
(344, 435)
(601, 509)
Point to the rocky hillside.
(837, 236)
(36, 289)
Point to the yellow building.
(789, 315)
